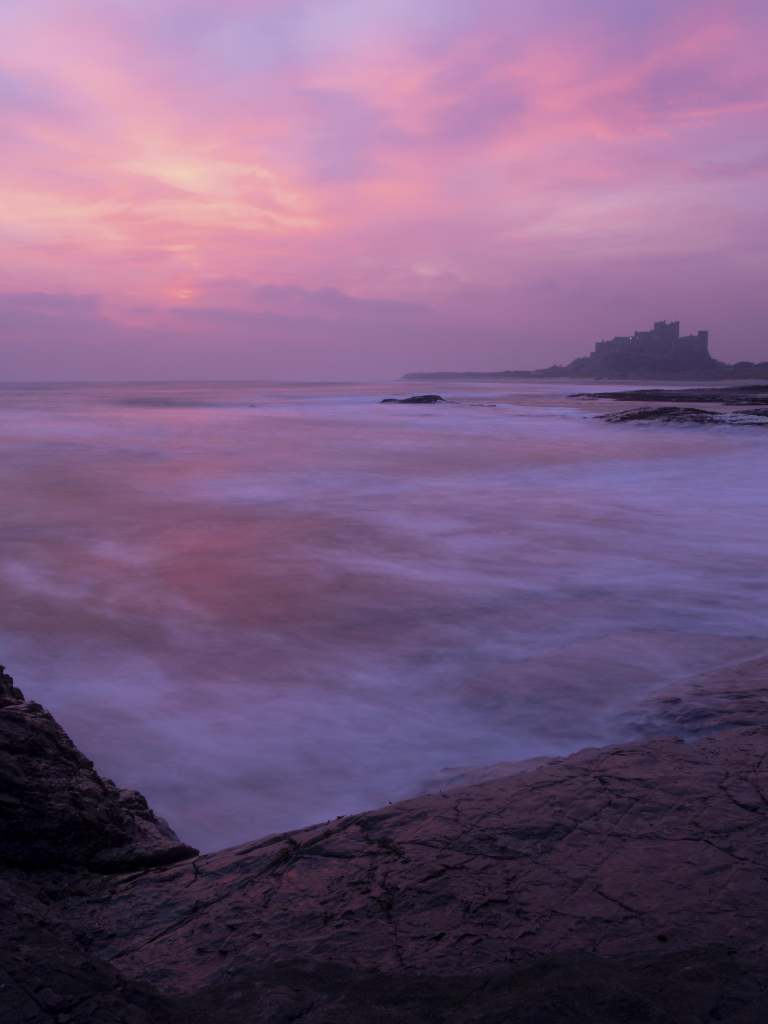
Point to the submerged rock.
(705, 704)
(414, 400)
(470, 775)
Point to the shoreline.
(521, 376)
(626, 878)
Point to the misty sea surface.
(266, 605)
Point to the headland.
(658, 354)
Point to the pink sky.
(338, 189)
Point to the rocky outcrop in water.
(626, 883)
(413, 400)
(686, 415)
(750, 394)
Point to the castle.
(659, 354)
(659, 349)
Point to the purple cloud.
(47, 301)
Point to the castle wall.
(657, 348)
(664, 338)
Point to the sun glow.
(452, 156)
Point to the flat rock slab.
(687, 414)
(749, 394)
(636, 850)
(627, 883)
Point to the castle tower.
(659, 349)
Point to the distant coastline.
(737, 371)
(658, 354)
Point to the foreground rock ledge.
(625, 884)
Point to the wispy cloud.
(45, 301)
(332, 300)
(389, 160)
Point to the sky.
(354, 189)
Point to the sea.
(266, 605)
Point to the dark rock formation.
(624, 884)
(55, 811)
(414, 400)
(750, 394)
(49, 976)
(686, 414)
(662, 414)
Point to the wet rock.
(705, 704)
(621, 883)
(55, 811)
(685, 414)
(470, 775)
(612, 852)
(414, 400)
(749, 394)
(662, 414)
